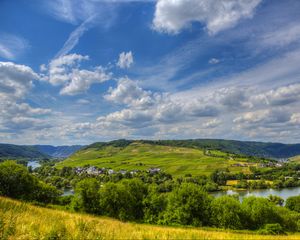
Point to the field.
(295, 159)
(23, 221)
(177, 161)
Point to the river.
(283, 193)
(33, 164)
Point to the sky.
(81, 71)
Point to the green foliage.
(123, 200)
(174, 160)
(275, 199)
(271, 229)
(17, 182)
(188, 204)
(154, 205)
(293, 203)
(87, 196)
(259, 212)
(227, 213)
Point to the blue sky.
(75, 72)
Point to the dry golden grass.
(23, 221)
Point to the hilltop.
(37, 152)
(143, 155)
(11, 151)
(58, 151)
(32, 222)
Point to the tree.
(188, 204)
(154, 205)
(219, 177)
(227, 213)
(17, 182)
(87, 197)
(275, 199)
(293, 203)
(259, 212)
(116, 201)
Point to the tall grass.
(23, 221)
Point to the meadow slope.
(142, 156)
(23, 221)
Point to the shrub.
(271, 229)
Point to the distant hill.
(26, 152)
(258, 149)
(58, 151)
(11, 151)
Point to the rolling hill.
(58, 151)
(23, 221)
(259, 149)
(27, 152)
(142, 155)
(10, 151)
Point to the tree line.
(186, 203)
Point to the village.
(95, 171)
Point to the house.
(154, 170)
(110, 171)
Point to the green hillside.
(11, 151)
(295, 159)
(23, 221)
(131, 155)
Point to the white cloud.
(213, 61)
(66, 71)
(128, 92)
(125, 60)
(12, 46)
(15, 83)
(60, 68)
(81, 80)
(15, 79)
(173, 16)
(75, 36)
(283, 36)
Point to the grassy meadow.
(177, 161)
(23, 221)
(295, 159)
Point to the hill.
(295, 159)
(23, 221)
(58, 151)
(141, 155)
(27, 152)
(10, 151)
(258, 149)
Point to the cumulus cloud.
(280, 96)
(60, 68)
(66, 71)
(15, 83)
(173, 16)
(125, 60)
(81, 80)
(128, 92)
(15, 79)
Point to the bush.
(259, 211)
(17, 182)
(188, 204)
(227, 213)
(271, 229)
(293, 203)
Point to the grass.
(295, 159)
(177, 161)
(23, 221)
